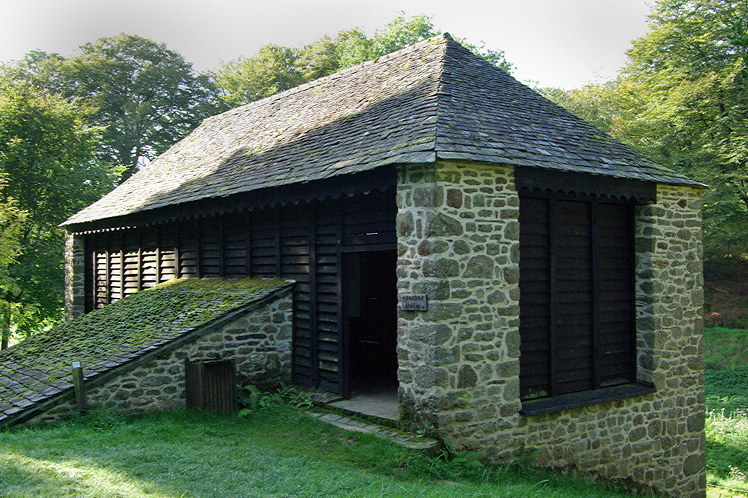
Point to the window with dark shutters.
(577, 322)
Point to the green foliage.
(47, 155)
(695, 100)
(726, 385)
(727, 390)
(727, 426)
(465, 463)
(275, 68)
(144, 96)
(252, 398)
(12, 221)
(252, 78)
(727, 447)
(147, 96)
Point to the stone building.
(518, 278)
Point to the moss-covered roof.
(39, 368)
(432, 100)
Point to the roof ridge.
(442, 38)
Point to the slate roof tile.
(38, 369)
(434, 99)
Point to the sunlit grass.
(726, 379)
(276, 452)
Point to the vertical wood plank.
(248, 244)
(313, 298)
(177, 255)
(343, 346)
(595, 263)
(221, 248)
(140, 259)
(122, 264)
(107, 266)
(198, 255)
(158, 254)
(553, 286)
(279, 219)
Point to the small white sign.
(414, 302)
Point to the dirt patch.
(726, 299)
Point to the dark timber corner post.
(74, 276)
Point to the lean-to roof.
(35, 374)
(432, 100)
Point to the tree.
(610, 106)
(12, 220)
(689, 71)
(144, 96)
(277, 68)
(683, 100)
(252, 78)
(47, 155)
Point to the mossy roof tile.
(39, 368)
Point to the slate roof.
(432, 100)
(36, 373)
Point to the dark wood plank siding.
(616, 294)
(303, 242)
(576, 294)
(535, 289)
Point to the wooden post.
(80, 392)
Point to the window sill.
(585, 398)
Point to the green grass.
(726, 382)
(725, 347)
(275, 452)
(281, 452)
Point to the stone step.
(409, 441)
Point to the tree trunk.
(5, 324)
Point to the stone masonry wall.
(458, 243)
(259, 343)
(74, 276)
(459, 361)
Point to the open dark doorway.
(370, 303)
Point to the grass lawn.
(275, 452)
(726, 376)
(281, 452)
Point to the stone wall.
(459, 361)
(259, 343)
(74, 276)
(458, 243)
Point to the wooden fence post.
(80, 392)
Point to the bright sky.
(564, 43)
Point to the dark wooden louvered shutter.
(576, 295)
(535, 291)
(573, 297)
(615, 294)
(327, 353)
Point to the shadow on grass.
(277, 452)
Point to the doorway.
(370, 307)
